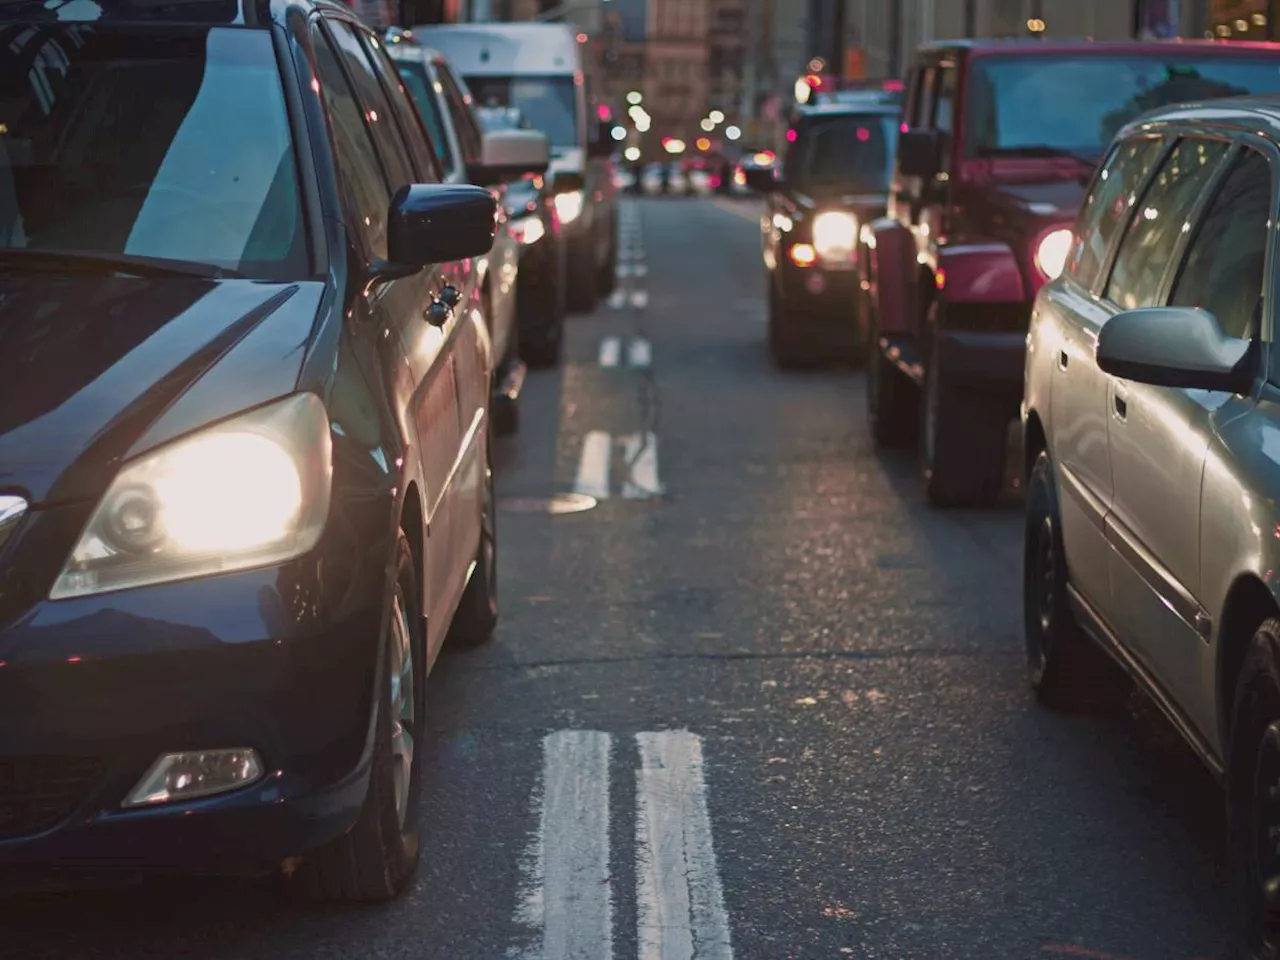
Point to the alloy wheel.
(403, 707)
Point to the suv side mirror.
(761, 179)
(435, 223)
(603, 144)
(509, 155)
(918, 153)
(1175, 347)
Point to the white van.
(537, 68)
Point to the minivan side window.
(944, 112)
(464, 121)
(1106, 208)
(1224, 269)
(408, 120)
(1158, 221)
(922, 114)
(359, 170)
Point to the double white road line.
(639, 451)
(568, 903)
(639, 352)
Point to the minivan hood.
(91, 366)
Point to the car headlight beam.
(1052, 251)
(250, 491)
(835, 235)
(569, 205)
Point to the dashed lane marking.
(640, 299)
(641, 452)
(610, 351)
(592, 478)
(617, 299)
(639, 353)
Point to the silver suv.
(1151, 420)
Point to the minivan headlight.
(569, 205)
(1052, 251)
(251, 491)
(834, 235)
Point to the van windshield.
(549, 104)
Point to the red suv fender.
(977, 273)
(892, 276)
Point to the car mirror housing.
(509, 155)
(918, 153)
(1175, 347)
(435, 223)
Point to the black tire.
(963, 438)
(583, 292)
(377, 858)
(893, 400)
(1253, 798)
(506, 416)
(784, 350)
(1067, 669)
(477, 614)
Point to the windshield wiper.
(1039, 150)
(107, 264)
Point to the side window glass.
(944, 113)
(1106, 209)
(406, 115)
(377, 108)
(359, 170)
(426, 96)
(923, 114)
(1226, 261)
(460, 111)
(1158, 221)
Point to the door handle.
(1121, 406)
(1063, 359)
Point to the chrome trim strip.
(1093, 508)
(1163, 583)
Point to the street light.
(635, 98)
(733, 133)
(632, 154)
(716, 116)
(619, 133)
(708, 125)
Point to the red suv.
(999, 141)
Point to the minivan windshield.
(1016, 105)
(548, 104)
(132, 142)
(845, 153)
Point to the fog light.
(198, 773)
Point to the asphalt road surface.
(761, 701)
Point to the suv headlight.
(834, 235)
(1052, 252)
(569, 205)
(248, 492)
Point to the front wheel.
(477, 615)
(376, 859)
(892, 399)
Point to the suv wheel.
(607, 280)
(477, 615)
(1066, 668)
(1253, 797)
(962, 438)
(787, 354)
(376, 859)
(892, 399)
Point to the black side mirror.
(919, 153)
(761, 179)
(603, 144)
(435, 223)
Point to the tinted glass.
(1077, 104)
(172, 144)
(458, 101)
(1227, 259)
(550, 104)
(407, 121)
(1106, 209)
(426, 98)
(944, 113)
(367, 194)
(1158, 222)
(844, 154)
(376, 107)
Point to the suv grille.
(36, 793)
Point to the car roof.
(841, 108)
(251, 13)
(1259, 114)
(1083, 46)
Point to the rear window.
(845, 153)
(174, 145)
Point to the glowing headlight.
(569, 205)
(248, 492)
(834, 235)
(529, 230)
(1051, 253)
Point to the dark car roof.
(847, 108)
(1082, 46)
(1260, 114)
(197, 12)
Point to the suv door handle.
(1121, 405)
(1062, 359)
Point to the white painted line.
(639, 353)
(567, 890)
(641, 452)
(593, 465)
(623, 271)
(679, 900)
(610, 351)
(640, 298)
(617, 299)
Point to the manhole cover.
(556, 505)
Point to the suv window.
(379, 119)
(367, 193)
(406, 116)
(426, 96)
(160, 141)
(839, 154)
(1225, 264)
(459, 109)
(1158, 221)
(1106, 208)
(944, 114)
(922, 109)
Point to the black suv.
(834, 177)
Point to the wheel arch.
(1034, 440)
(414, 526)
(1249, 602)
